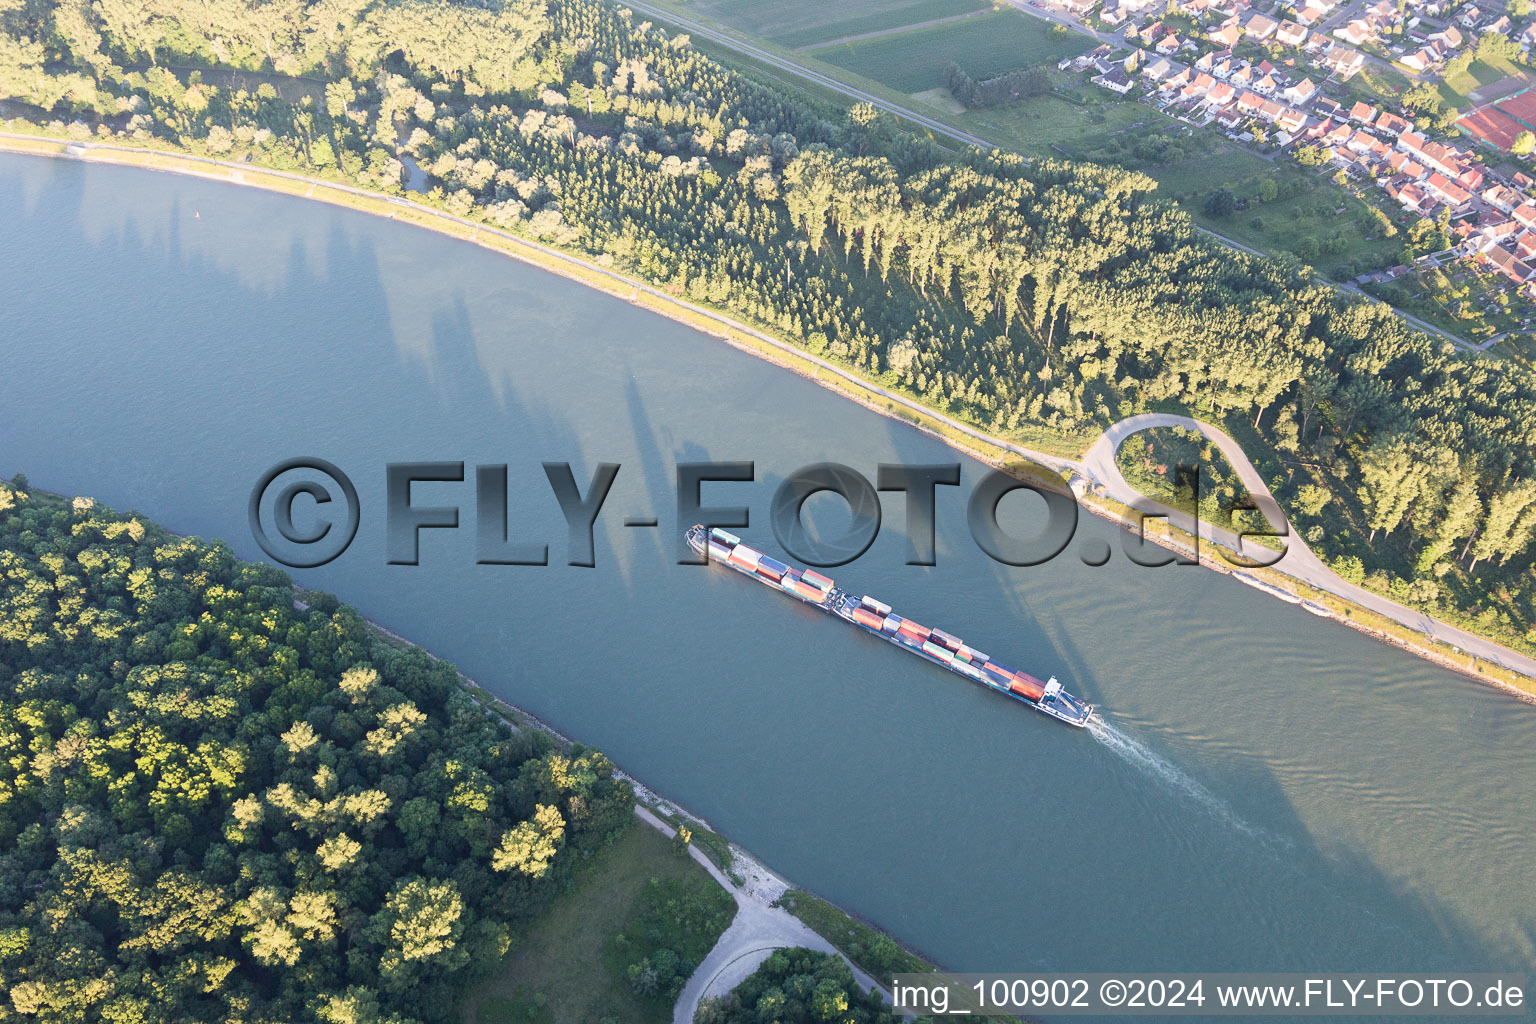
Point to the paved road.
(800, 71)
(1063, 18)
(757, 931)
(1423, 325)
(1299, 560)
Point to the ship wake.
(1140, 756)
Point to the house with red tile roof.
(1447, 191)
(1221, 94)
(1508, 264)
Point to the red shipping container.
(867, 618)
(1027, 686)
(914, 631)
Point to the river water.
(1269, 791)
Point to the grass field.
(882, 18)
(561, 970)
(914, 61)
(801, 22)
(1035, 125)
(1346, 244)
(1456, 90)
(1045, 126)
(1374, 85)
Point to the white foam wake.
(1139, 755)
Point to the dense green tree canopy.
(1037, 300)
(798, 986)
(218, 806)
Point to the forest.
(798, 986)
(219, 805)
(1038, 300)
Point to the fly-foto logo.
(333, 511)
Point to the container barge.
(876, 617)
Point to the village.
(1279, 81)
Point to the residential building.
(1260, 27)
(1300, 92)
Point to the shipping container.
(816, 579)
(876, 616)
(1002, 673)
(948, 639)
(1027, 686)
(865, 617)
(878, 607)
(938, 652)
(773, 566)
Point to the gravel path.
(757, 931)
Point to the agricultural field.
(804, 22)
(914, 61)
(880, 21)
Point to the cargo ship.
(943, 649)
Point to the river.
(1269, 791)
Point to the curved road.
(757, 930)
(1298, 561)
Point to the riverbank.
(994, 451)
(768, 917)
